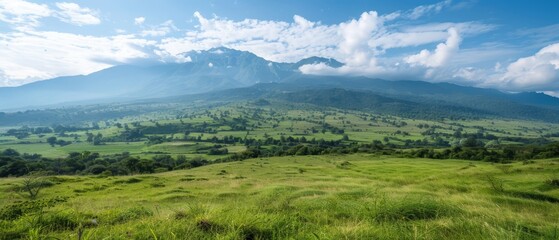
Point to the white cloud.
(537, 73)
(441, 55)
(160, 30)
(355, 35)
(139, 20)
(472, 75)
(38, 55)
(423, 10)
(273, 40)
(552, 93)
(74, 14)
(361, 43)
(301, 21)
(23, 14)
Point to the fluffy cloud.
(355, 36)
(441, 55)
(22, 14)
(74, 14)
(139, 20)
(384, 46)
(273, 40)
(40, 55)
(359, 43)
(538, 72)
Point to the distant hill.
(227, 74)
(214, 69)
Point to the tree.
(51, 141)
(32, 185)
(97, 140)
(471, 142)
(10, 153)
(133, 164)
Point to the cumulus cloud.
(38, 55)
(355, 35)
(538, 72)
(74, 14)
(273, 40)
(361, 43)
(440, 55)
(22, 14)
(139, 20)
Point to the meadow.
(247, 120)
(248, 170)
(356, 196)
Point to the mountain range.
(225, 74)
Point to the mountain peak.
(316, 60)
(222, 50)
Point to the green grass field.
(313, 197)
(276, 121)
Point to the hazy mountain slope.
(358, 100)
(221, 69)
(474, 104)
(215, 69)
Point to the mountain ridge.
(219, 69)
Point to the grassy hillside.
(313, 197)
(276, 120)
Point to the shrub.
(123, 216)
(414, 209)
(157, 184)
(130, 180)
(496, 184)
(58, 221)
(12, 212)
(178, 215)
(553, 182)
(31, 185)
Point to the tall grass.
(371, 198)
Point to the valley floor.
(313, 197)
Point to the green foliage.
(128, 181)
(414, 208)
(119, 216)
(374, 197)
(32, 184)
(15, 211)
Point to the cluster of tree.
(95, 139)
(504, 154)
(53, 141)
(25, 131)
(332, 129)
(12, 163)
(319, 148)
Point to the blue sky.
(507, 45)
